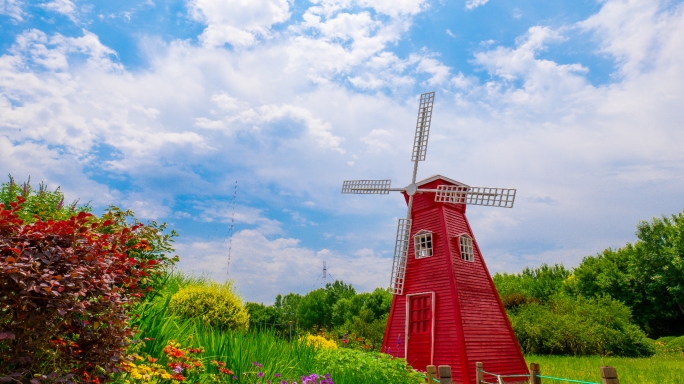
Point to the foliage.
(541, 283)
(648, 276)
(287, 307)
(216, 305)
(66, 287)
(320, 342)
(184, 364)
(676, 344)
(579, 326)
(314, 310)
(38, 204)
(348, 366)
(236, 350)
(181, 364)
(262, 316)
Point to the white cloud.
(238, 22)
(12, 8)
(472, 4)
(263, 267)
(288, 110)
(65, 7)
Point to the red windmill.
(445, 309)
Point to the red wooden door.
(419, 340)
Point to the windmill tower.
(445, 309)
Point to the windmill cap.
(439, 177)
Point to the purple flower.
(178, 369)
(277, 375)
(260, 375)
(256, 363)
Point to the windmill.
(445, 309)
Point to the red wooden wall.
(470, 322)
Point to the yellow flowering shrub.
(217, 305)
(320, 342)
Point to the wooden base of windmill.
(449, 312)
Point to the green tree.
(648, 276)
(262, 316)
(541, 283)
(287, 306)
(579, 326)
(314, 310)
(338, 290)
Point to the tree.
(287, 306)
(314, 310)
(262, 316)
(648, 276)
(541, 283)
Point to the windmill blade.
(423, 126)
(400, 253)
(367, 186)
(491, 197)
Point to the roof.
(436, 177)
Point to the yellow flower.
(320, 342)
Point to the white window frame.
(423, 244)
(466, 248)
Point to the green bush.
(675, 344)
(348, 366)
(579, 326)
(666, 339)
(217, 305)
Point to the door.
(419, 330)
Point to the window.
(422, 242)
(466, 248)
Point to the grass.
(239, 350)
(663, 368)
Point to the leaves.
(68, 287)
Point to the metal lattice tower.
(232, 229)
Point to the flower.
(225, 371)
(256, 363)
(260, 375)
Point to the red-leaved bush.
(66, 288)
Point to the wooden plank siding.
(470, 322)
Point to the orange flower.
(151, 359)
(225, 371)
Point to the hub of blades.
(411, 189)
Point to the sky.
(162, 106)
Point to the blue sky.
(161, 106)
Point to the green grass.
(239, 350)
(663, 368)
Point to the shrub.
(320, 342)
(66, 287)
(676, 344)
(216, 305)
(348, 366)
(579, 326)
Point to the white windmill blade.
(491, 197)
(400, 254)
(423, 126)
(367, 186)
